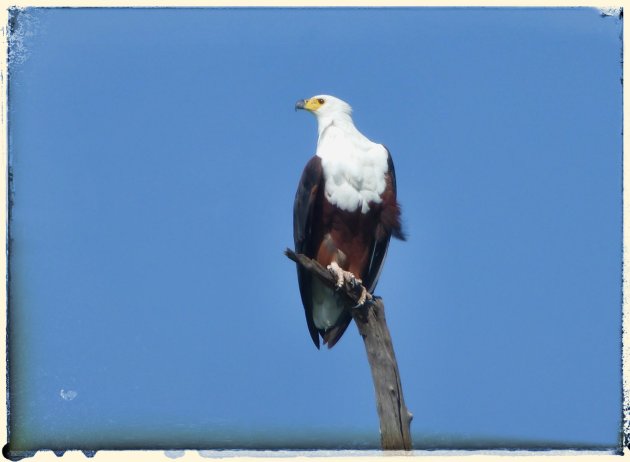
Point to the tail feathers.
(331, 336)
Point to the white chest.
(354, 170)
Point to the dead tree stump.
(395, 418)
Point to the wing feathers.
(389, 225)
(303, 208)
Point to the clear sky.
(155, 154)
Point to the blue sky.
(155, 154)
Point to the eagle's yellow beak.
(311, 104)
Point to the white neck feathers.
(340, 120)
(354, 167)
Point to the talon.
(355, 282)
(363, 298)
(351, 279)
(370, 301)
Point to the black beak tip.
(300, 104)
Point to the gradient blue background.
(155, 154)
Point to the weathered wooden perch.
(394, 416)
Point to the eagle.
(344, 214)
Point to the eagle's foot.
(344, 276)
(354, 282)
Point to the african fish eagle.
(344, 214)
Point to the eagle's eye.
(321, 101)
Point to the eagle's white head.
(325, 106)
(330, 110)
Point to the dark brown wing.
(389, 224)
(303, 209)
